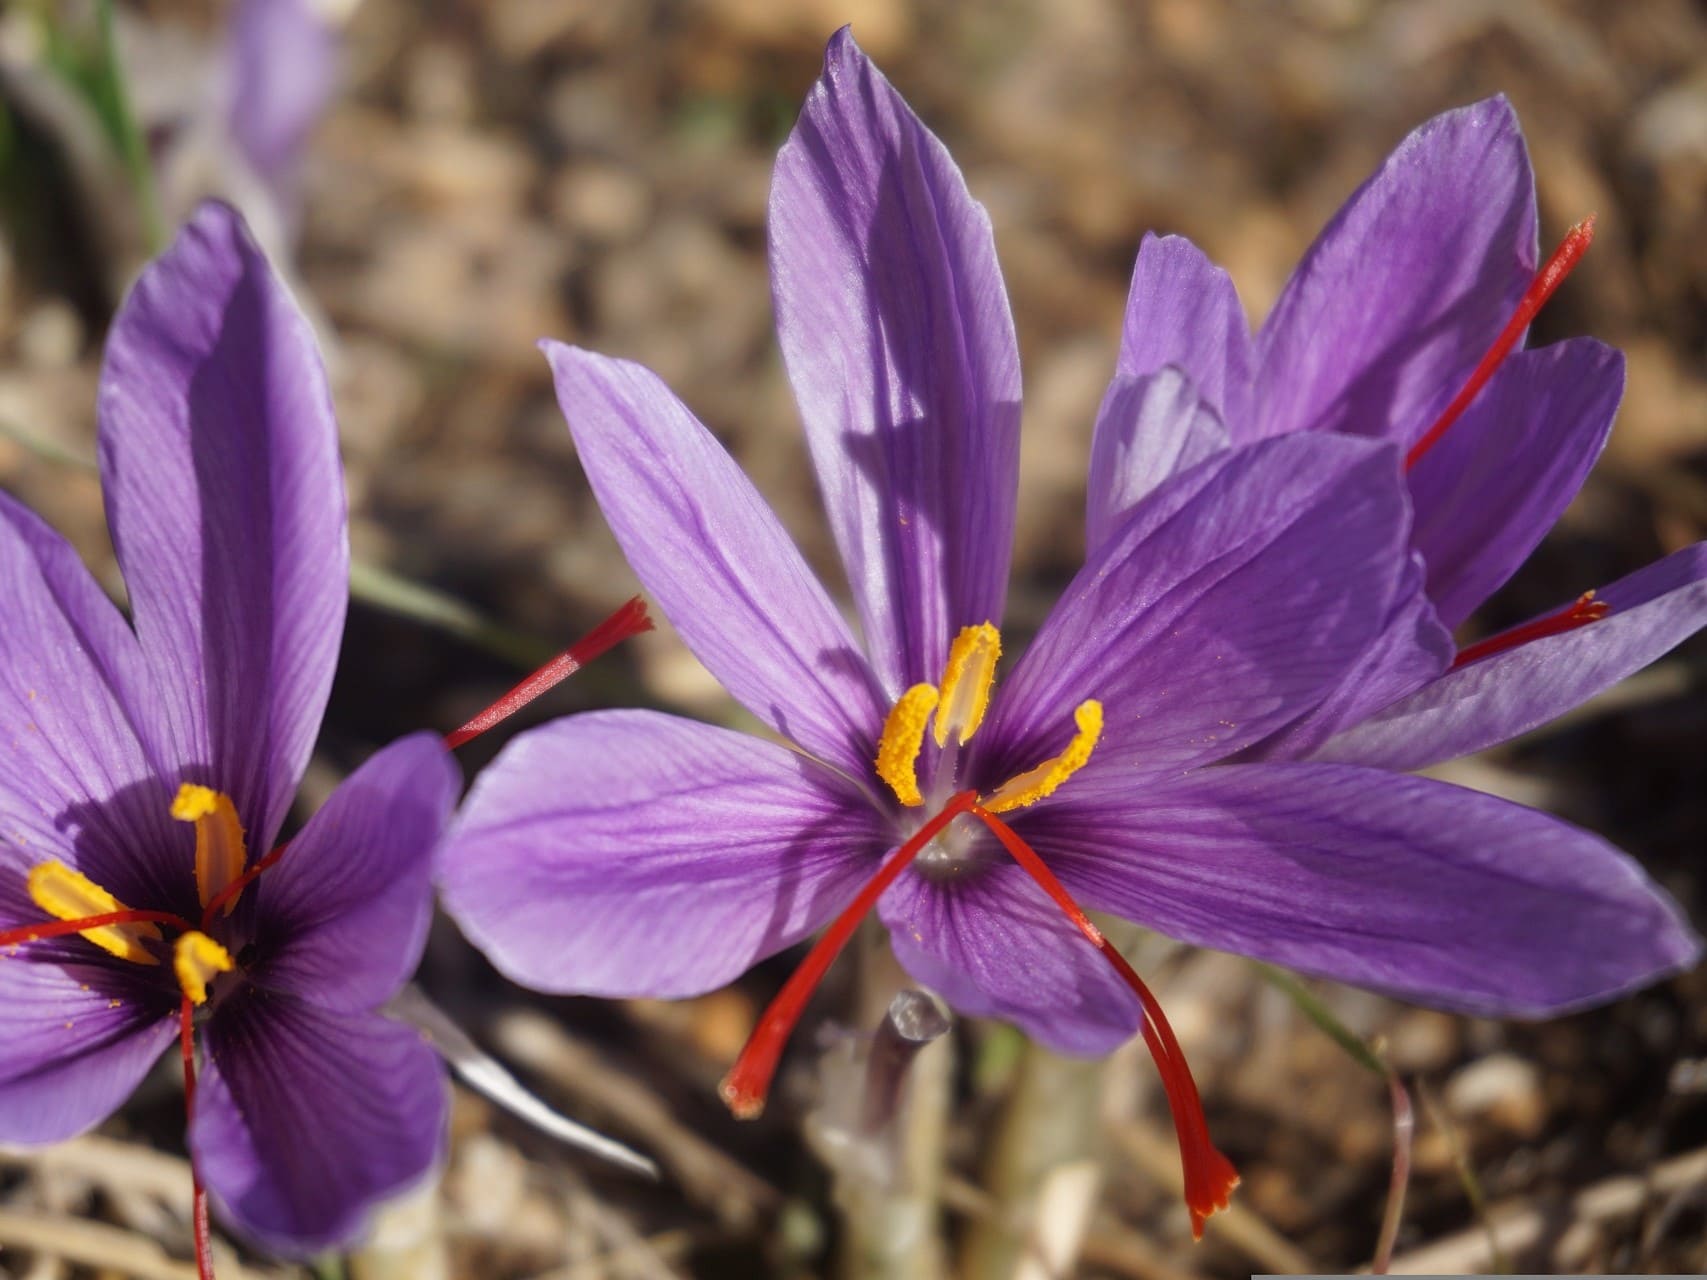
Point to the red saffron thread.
(242, 882)
(1209, 1175)
(745, 1087)
(628, 621)
(1548, 279)
(60, 928)
(1584, 610)
(198, 1202)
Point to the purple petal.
(1412, 649)
(1409, 886)
(994, 946)
(74, 1041)
(80, 783)
(284, 68)
(1485, 702)
(1501, 477)
(1406, 288)
(306, 1118)
(628, 853)
(1234, 597)
(343, 915)
(1148, 428)
(717, 561)
(895, 327)
(1183, 310)
(219, 456)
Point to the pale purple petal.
(628, 853)
(79, 783)
(1488, 701)
(1148, 428)
(1412, 649)
(306, 1118)
(74, 1039)
(1234, 597)
(1501, 477)
(1412, 887)
(717, 561)
(1183, 310)
(284, 70)
(219, 459)
(341, 918)
(994, 946)
(895, 327)
(1406, 288)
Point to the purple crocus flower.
(1404, 322)
(148, 770)
(639, 854)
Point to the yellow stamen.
(220, 852)
(197, 960)
(70, 895)
(966, 682)
(1032, 785)
(903, 738)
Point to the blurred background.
(447, 181)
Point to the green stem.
(133, 148)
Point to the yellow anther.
(903, 737)
(70, 895)
(220, 853)
(967, 678)
(197, 959)
(1032, 785)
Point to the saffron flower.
(148, 771)
(639, 854)
(1405, 322)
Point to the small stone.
(1504, 1090)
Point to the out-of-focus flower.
(238, 125)
(631, 853)
(1405, 322)
(148, 770)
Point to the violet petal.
(895, 327)
(1490, 489)
(225, 496)
(1488, 701)
(1232, 598)
(1406, 288)
(342, 917)
(1426, 891)
(1183, 310)
(1148, 428)
(629, 853)
(306, 1118)
(716, 559)
(994, 946)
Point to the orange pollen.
(1541, 288)
(1585, 610)
(628, 621)
(1209, 1175)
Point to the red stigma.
(1548, 279)
(629, 621)
(745, 1087)
(1584, 610)
(61, 928)
(1209, 1175)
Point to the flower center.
(81, 906)
(952, 711)
(944, 847)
